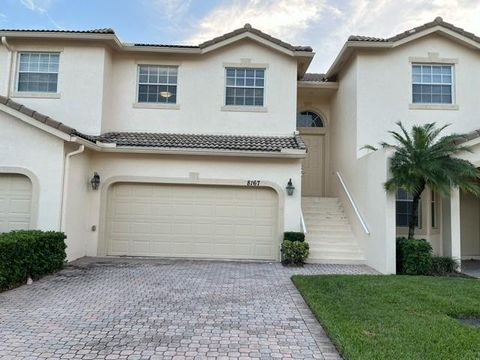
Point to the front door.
(313, 166)
(312, 129)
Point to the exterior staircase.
(329, 233)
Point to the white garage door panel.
(15, 202)
(192, 221)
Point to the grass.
(396, 317)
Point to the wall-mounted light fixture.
(95, 181)
(290, 188)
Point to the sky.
(323, 24)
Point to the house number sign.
(253, 182)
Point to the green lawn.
(396, 317)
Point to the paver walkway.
(164, 309)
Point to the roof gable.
(436, 26)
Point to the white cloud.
(286, 19)
(385, 18)
(323, 24)
(40, 6)
(171, 10)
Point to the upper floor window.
(38, 72)
(245, 86)
(432, 84)
(157, 84)
(308, 119)
(404, 209)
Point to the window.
(157, 84)
(433, 209)
(38, 72)
(432, 84)
(245, 87)
(309, 119)
(404, 209)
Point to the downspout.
(66, 172)
(10, 70)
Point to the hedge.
(414, 257)
(294, 236)
(29, 253)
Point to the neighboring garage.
(223, 222)
(15, 202)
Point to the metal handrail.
(352, 202)
(302, 223)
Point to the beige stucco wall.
(201, 87)
(470, 225)
(384, 89)
(363, 177)
(40, 156)
(80, 83)
(78, 204)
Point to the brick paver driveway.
(163, 309)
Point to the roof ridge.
(249, 28)
(93, 31)
(438, 21)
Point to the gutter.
(66, 172)
(113, 148)
(10, 69)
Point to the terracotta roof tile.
(91, 31)
(170, 141)
(195, 141)
(249, 28)
(315, 77)
(437, 22)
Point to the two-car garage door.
(224, 222)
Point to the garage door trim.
(35, 189)
(105, 186)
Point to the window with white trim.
(38, 72)
(244, 86)
(404, 209)
(432, 84)
(157, 84)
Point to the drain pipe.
(10, 51)
(66, 171)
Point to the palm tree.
(422, 159)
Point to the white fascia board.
(293, 154)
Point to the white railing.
(352, 202)
(302, 223)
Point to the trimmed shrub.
(294, 236)
(414, 257)
(294, 252)
(443, 265)
(29, 253)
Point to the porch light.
(165, 94)
(95, 181)
(290, 188)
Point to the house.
(214, 150)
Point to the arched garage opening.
(15, 202)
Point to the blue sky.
(323, 24)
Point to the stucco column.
(455, 225)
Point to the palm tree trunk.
(414, 216)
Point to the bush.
(29, 253)
(294, 252)
(414, 257)
(443, 265)
(294, 236)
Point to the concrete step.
(329, 232)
